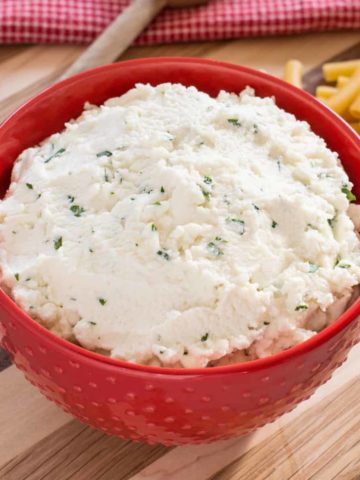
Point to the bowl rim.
(254, 365)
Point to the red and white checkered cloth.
(80, 21)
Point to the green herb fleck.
(163, 254)
(214, 249)
(313, 268)
(255, 128)
(344, 265)
(29, 186)
(274, 224)
(91, 250)
(331, 221)
(17, 276)
(301, 306)
(105, 153)
(77, 210)
(92, 323)
(349, 195)
(157, 203)
(71, 198)
(106, 176)
(206, 194)
(58, 243)
(238, 224)
(234, 121)
(208, 180)
(205, 337)
(162, 190)
(102, 301)
(56, 154)
(153, 227)
(256, 207)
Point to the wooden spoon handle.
(118, 36)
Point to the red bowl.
(170, 406)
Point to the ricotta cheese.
(168, 227)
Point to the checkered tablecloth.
(80, 21)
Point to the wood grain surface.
(319, 440)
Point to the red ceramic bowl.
(170, 406)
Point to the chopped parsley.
(331, 221)
(92, 323)
(214, 249)
(313, 268)
(91, 250)
(106, 176)
(153, 227)
(105, 153)
(77, 210)
(274, 224)
(349, 195)
(205, 337)
(102, 301)
(71, 198)
(255, 128)
(56, 154)
(256, 207)
(162, 190)
(29, 186)
(234, 121)
(163, 254)
(17, 276)
(237, 224)
(208, 180)
(58, 243)
(300, 307)
(344, 265)
(206, 194)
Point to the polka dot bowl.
(170, 406)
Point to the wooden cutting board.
(319, 440)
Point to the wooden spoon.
(120, 34)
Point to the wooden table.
(320, 440)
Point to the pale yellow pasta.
(333, 70)
(355, 107)
(342, 81)
(293, 72)
(341, 101)
(324, 91)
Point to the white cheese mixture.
(170, 227)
